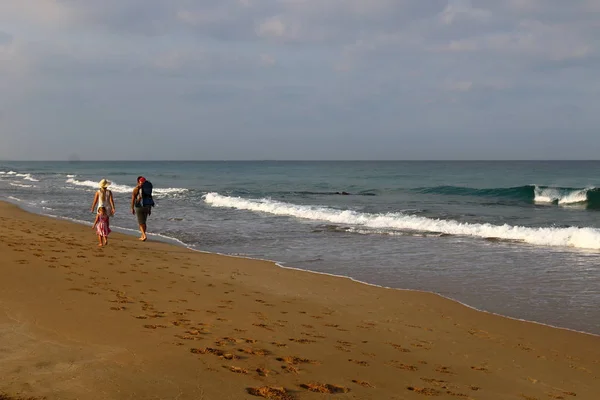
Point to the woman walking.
(104, 198)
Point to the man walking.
(142, 203)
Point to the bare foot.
(100, 245)
(143, 239)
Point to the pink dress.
(102, 227)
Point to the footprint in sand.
(422, 345)
(324, 388)
(188, 337)
(291, 361)
(289, 369)
(270, 392)
(312, 335)
(399, 347)
(444, 370)
(559, 396)
(255, 352)
(399, 365)
(362, 383)
(302, 341)
(225, 340)
(264, 326)
(263, 371)
(216, 352)
(237, 370)
(424, 391)
(524, 347)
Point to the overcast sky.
(299, 79)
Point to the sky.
(299, 79)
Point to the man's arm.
(133, 197)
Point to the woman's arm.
(95, 201)
(112, 203)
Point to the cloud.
(461, 9)
(216, 69)
(531, 38)
(272, 27)
(49, 13)
(459, 86)
(267, 60)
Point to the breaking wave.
(25, 177)
(590, 196)
(584, 238)
(115, 187)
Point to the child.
(101, 226)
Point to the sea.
(515, 238)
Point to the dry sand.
(155, 321)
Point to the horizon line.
(316, 160)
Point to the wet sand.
(151, 320)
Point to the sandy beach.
(151, 320)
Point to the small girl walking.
(101, 226)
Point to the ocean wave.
(20, 185)
(25, 177)
(584, 238)
(115, 187)
(338, 193)
(589, 196)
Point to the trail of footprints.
(240, 353)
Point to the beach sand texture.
(156, 321)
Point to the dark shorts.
(142, 214)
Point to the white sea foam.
(127, 189)
(393, 233)
(14, 198)
(27, 177)
(585, 238)
(560, 196)
(20, 185)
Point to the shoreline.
(156, 321)
(177, 242)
